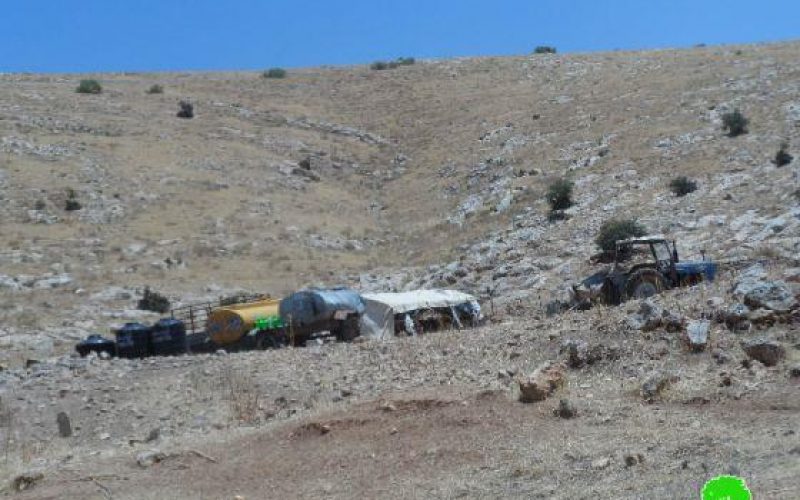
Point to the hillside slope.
(348, 175)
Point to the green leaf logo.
(726, 488)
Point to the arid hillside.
(350, 175)
(427, 175)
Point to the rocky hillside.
(425, 175)
(432, 174)
(646, 400)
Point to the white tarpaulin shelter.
(381, 308)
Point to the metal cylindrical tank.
(311, 311)
(96, 343)
(227, 325)
(133, 340)
(168, 337)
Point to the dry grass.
(242, 394)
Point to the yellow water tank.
(229, 324)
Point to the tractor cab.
(652, 252)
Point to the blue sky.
(156, 35)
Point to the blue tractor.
(642, 268)
(646, 266)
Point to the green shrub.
(401, 61)
(72, 202)
(618, 229)
(274, 73)
(153, 301)
(559, 194)
(544, 49)
(682, 186)
(734, 123)
(89, 87)
(155, 89)
(782, 157)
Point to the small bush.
(544, 49)
(89, 87)
(155, 89)
(618, 229)
(734, 123)
(72, 202)
(274, 73)
(186, 110)
(153, 301)
(782, 157)
(682, 186)
(40, 205)
(559, 194)
(401, 61)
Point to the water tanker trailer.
(313, 311)
(233, 324)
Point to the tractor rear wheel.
(644, 283)
(348, 330)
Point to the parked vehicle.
(642, 268)
(315, 311)
(259, 322)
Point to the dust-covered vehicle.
(642, 268)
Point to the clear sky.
(138, 35)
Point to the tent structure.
(378, 319)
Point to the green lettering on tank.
(269, 323)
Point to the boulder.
(566, 409)
(542, 383)
(736, 317)
(576, 351)
(655, 384)
(27, 480)
(579, 353)
(648, 317)
(768, 352)
(149, 458)
(757, 292)
(697, 334)
(64, 425)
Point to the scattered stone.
(566, 409)
(768, 352)
(149, 458)
(736, 317)
(542, 383)
(672, 322)
(632, 459)
(601, 463)
(697, 334)
(647, 318)
(64, 425)
(27, 480)
(758, 293)
(655, 384)
(577, 352)
(720, 356)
